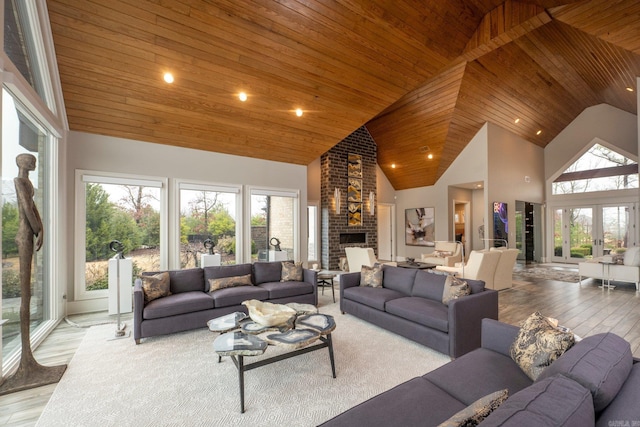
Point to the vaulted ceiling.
(422, 75)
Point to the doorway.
(529, 231)
(386, 219)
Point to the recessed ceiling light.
(429, 156)
(298, 112)
(539, 132)
(242, 96)
(517, 121)
(168, 77)
(393, 165)
(629, 88)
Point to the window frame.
(83, 177)
(193, 185)
(270, 191)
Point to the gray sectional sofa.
(410, 304)
(191, 305)
(595, 383)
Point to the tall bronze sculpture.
(30, 373)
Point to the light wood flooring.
(586, 308)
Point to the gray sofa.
(191, 305)
(595, 383)
(410, 304)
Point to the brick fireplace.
(336, 231)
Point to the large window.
(208, 212)
(125, 209)
(599, 169)
(22, 134)
(274, 225)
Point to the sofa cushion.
(416, 402)
(155, 286)
(190, 279)
(454, 288)
(600, 363)
(420, 310)
(490, 371)
(473, 414)
(555, 401)
(538, 344)
(428, 285)
(264, 272)
(229, 282)
(475, 285)
(219, 271)
(399, 279)
(372, 297)
(235, 296)
(291, 271)
(286, 289)
(371, 276)
(625, 406)
(180, 303)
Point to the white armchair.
(444, 253)
(357, 257)
(480, 266)
(503, 277)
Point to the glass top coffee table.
(307, 330)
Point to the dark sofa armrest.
(311, 276)
(138, 307)
(348, 280)
(465, 320)
(498, 336)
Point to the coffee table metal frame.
(238, 359)
(242, 367)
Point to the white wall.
(602, 121)
(117, 155)
(515, 172)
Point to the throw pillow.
(371, 276)
(454, 288)
(291, 271)
(156, 286)
(538, 344)
(632, 256)
(475, 413)
(229, 282)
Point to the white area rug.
(175, 380)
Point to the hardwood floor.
(586, 308)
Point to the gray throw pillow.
(538, 344)
(156, 286)
(229, 282)
(475, 413)
(371, 276)
(454, 288)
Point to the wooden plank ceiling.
(416, 73)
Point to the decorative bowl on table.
(269, 314)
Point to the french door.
(585, 232)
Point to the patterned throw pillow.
(229, 282)
(475, 413)
(291, 271)
(371, 276)
(454, 288)
(442, 254)
(538, 344)
(156, 286)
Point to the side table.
(607, 265)
(325, 279)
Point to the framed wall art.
(355, 214)
(354, 190)
(354, 165)
(420, 226)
